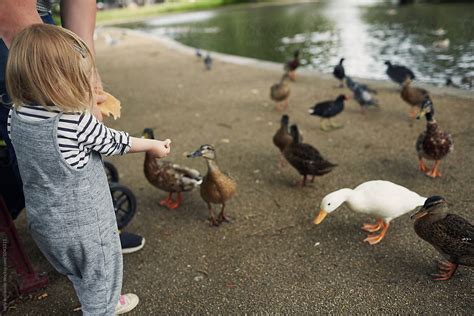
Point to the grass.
(117, 15)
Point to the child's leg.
(100, 284)
(94, 265)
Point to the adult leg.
(11, 187)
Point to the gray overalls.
(70, 214)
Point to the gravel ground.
(271, 259)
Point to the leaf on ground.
(42, 296)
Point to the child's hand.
(160, 149)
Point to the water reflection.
(365, 32)
(182, 18)
(354, 41)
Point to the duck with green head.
(217, 187)
(433, 143)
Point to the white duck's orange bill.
(322, 214)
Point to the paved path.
(271, 258)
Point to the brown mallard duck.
(413, 96)
(305, 158)
(168, 176)
(282, 137)
(280, 91)
(216, 187)
(434, 143)
(450, 234)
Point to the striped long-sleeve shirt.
(43, 6)
(78, 134)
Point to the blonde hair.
(50, 66)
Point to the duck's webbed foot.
(434, 173)
(446, 271)
(175, 204)
(213, 222)
(374, 239)
(371, 228)
(221, 217)
(302, 183)
(422, 166)
(168, 201)
(212, 216)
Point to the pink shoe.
(126, 303)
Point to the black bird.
(208, 61)
(305, 158)
(328, 109)
(361, 93)
(292, 65)
(399, 73)
(349, 80)
(339, 73)
(450, 234)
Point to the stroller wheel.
(111, 172)
(125, 203)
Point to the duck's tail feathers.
(326, 167)
(188, 172)
(191, 182)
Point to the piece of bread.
(111, 106)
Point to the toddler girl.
(59, 145)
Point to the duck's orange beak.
(322, 214)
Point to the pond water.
(364, 32)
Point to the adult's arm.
(79, 17)
(15, 15)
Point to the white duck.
(383, 199)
